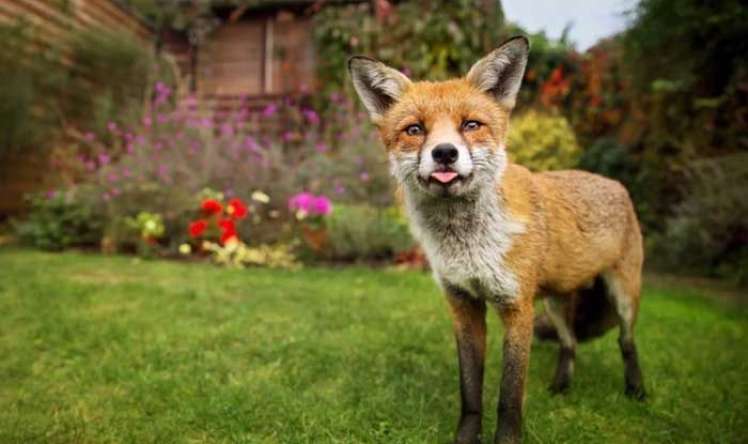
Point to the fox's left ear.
(378, 85)
(500, 72)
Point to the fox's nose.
(444, 153)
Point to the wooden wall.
(53, 21)
(258, 55)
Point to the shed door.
(230, 62)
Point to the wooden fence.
(53, 23)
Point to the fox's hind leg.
(560, 311)
(623, 283)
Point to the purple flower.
(311, 116)
(51, 194)
(269, 110)
(287, 136)
(339, 189)
(227, 130)
(250, 144)
(321, 147)
(104, 159)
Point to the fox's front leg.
(469, 321)
(518, 325)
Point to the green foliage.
(344, 355)
(428, 39)
(30, 77)
(118, 67)
(542, 141)
(708, 231)
(362, 232)
(59, 221)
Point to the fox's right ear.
(378, 85)
(500, 72)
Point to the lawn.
(112, 349)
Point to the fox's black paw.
(636, 392)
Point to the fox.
(498, 236)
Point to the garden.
(247, 275)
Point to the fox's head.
(444, 138)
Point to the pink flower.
(269, 110)
(311, 116)
(310, 204)
(104, 159)
(90, 136)
(321, 147)
(147, 121)
(301, 201)
(321, 206)
(364, 176)
(112, 127)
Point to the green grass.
(110, 349)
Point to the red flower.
(237, 209)
(228, 230)
(211, 206)
(197, 228)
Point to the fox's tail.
(594, 315)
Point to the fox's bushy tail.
(594, 315)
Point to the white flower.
(261, 197)
(185, 249)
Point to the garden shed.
(259, 50)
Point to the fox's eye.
(470, 125)
(414, 130)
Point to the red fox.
(497, 234)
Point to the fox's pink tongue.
(444, 176)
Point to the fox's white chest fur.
(466, 242)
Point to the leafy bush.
(542, 141)
(30, 75)
(362, 232)
(60, 220)
(119, 68)
(709, 229)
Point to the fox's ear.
(378, 85)
(500, 72)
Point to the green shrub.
(362, 232)
(708, 232)
(30, 77)
(542, 141)
(116, 65)
(59, 220)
